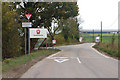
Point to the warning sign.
(28, 16)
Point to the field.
(107, 38)
(108, 45)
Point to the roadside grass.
(14, 62)
(106, 45)
(112, 50)
(107, 38)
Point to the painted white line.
(60, 60)
(54, 54)
(79, 60)
(100, 53)
(114, 59)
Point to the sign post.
(28, 42)
(27, 24)
(54, 42)
(28, 16)
(25, 43)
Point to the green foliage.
(44, 13)
(107, 38)
(14, 62)
(10, 35)
(108, 48)
(59, 39)
(70, 29)
(113, 39)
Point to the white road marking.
(54, 54)
(60, 60)
(103, 54)
(57, 57)
(100, 53)
(79, 60)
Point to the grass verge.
(9, 64)
(111, 50)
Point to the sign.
(80, 39)
(97, 39)
(54, 41)
(28, 16)
(26, 24)
(38, 33)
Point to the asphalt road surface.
(75, 61)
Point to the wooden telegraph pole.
(101, 31)
(93, 35)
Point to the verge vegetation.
(109, 43)
(11, 63)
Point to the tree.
(10, 35)
(44, 13)
(70, 29)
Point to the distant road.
(75, 61)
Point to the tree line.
(43, 15)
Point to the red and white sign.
(38, 33)
(54, 41)
(28, 16)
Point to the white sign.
(80, 39)
(97, 39)
(26, 24)
(38, 33)
(54, 41)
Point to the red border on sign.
(38, 35)
(27, 17)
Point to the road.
(75, 61)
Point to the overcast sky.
(95, 11)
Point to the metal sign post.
(25, 42)
(28, 42)
(27, 24)
(28, 16)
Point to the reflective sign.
(38, 33)
(28, 16)
(54, 41)
(26, 24)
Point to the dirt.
(20, 70)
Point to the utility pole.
(101, 31)
(93, 35)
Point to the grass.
(112, 50)
(106, 45)
(107, 38)
(14, 62)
